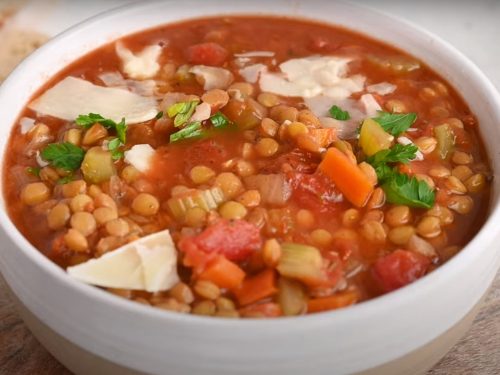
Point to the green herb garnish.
(89, 120)
(400, 188)
(35, 171)
(408, 190)
(395, 123)
(114, 146)
(65, 180)
(396, 154)
(159, 115)
(65, 155)
(219, 120)
(193, 130)
(339, 114)
(182, 112)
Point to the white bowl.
(407, 331)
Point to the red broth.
(288, 237)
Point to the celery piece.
(373, 138)
(206, 199)
(301, 262)
(445, 140)
(291, 297)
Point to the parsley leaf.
(65, 180)
(406, 190)
(35, 171)
(219, 120)
(65, 155)
(396, 154)
(113, 146)
(182, 112)
(159, 115)
(87, 121)
(192, 130)
(121, 131)
(339, 114)
(395, 123)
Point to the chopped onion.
(273, 188)
(370, 105)
(42, 163)
(421, 246)
(405, 141)
(345, 129)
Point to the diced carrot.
(262, 310)
(257, 287)
(348, 178)
(223, 273)
(323, 136)
(336, 301)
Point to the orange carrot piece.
(349, 178)
(223, 273)
(323, 136)
(332, 302)
(257, 287)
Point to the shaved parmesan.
(252, 73)
(142, 65)
(255, 54)
(201, 113)
(312, 76)
(26, 124)
(149, 264)
(407, 141)
(74, 96)
(382, 88)
(139, 156)
(114, 79)
(370, 105)
(212, 77)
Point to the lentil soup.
(204, 167)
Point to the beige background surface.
(472, 26)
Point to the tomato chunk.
(236, 240)
(398, 269)
(315, 191)
(209, 53)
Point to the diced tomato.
(236, 240)
(208, 152)
(398, 269)
(208, 53)
(315, 191)
(298, 161)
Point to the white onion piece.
(42, 163)
(273, 188)
(345, 129)
(421, 246)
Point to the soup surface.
(247, 167)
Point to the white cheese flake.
(212, 77)
(382, 88)
(312, 76)
(149, 264)
(26, 124)
(72, 97)
(255, 54)
(115, 79)
(139, 156)
(370, 105)
(251, 73)
(142, 65)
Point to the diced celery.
(291, 297)
(396, 64)
(373, 138)
(206, 199)
(98, 165)
(301, 262)
(445, 140)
